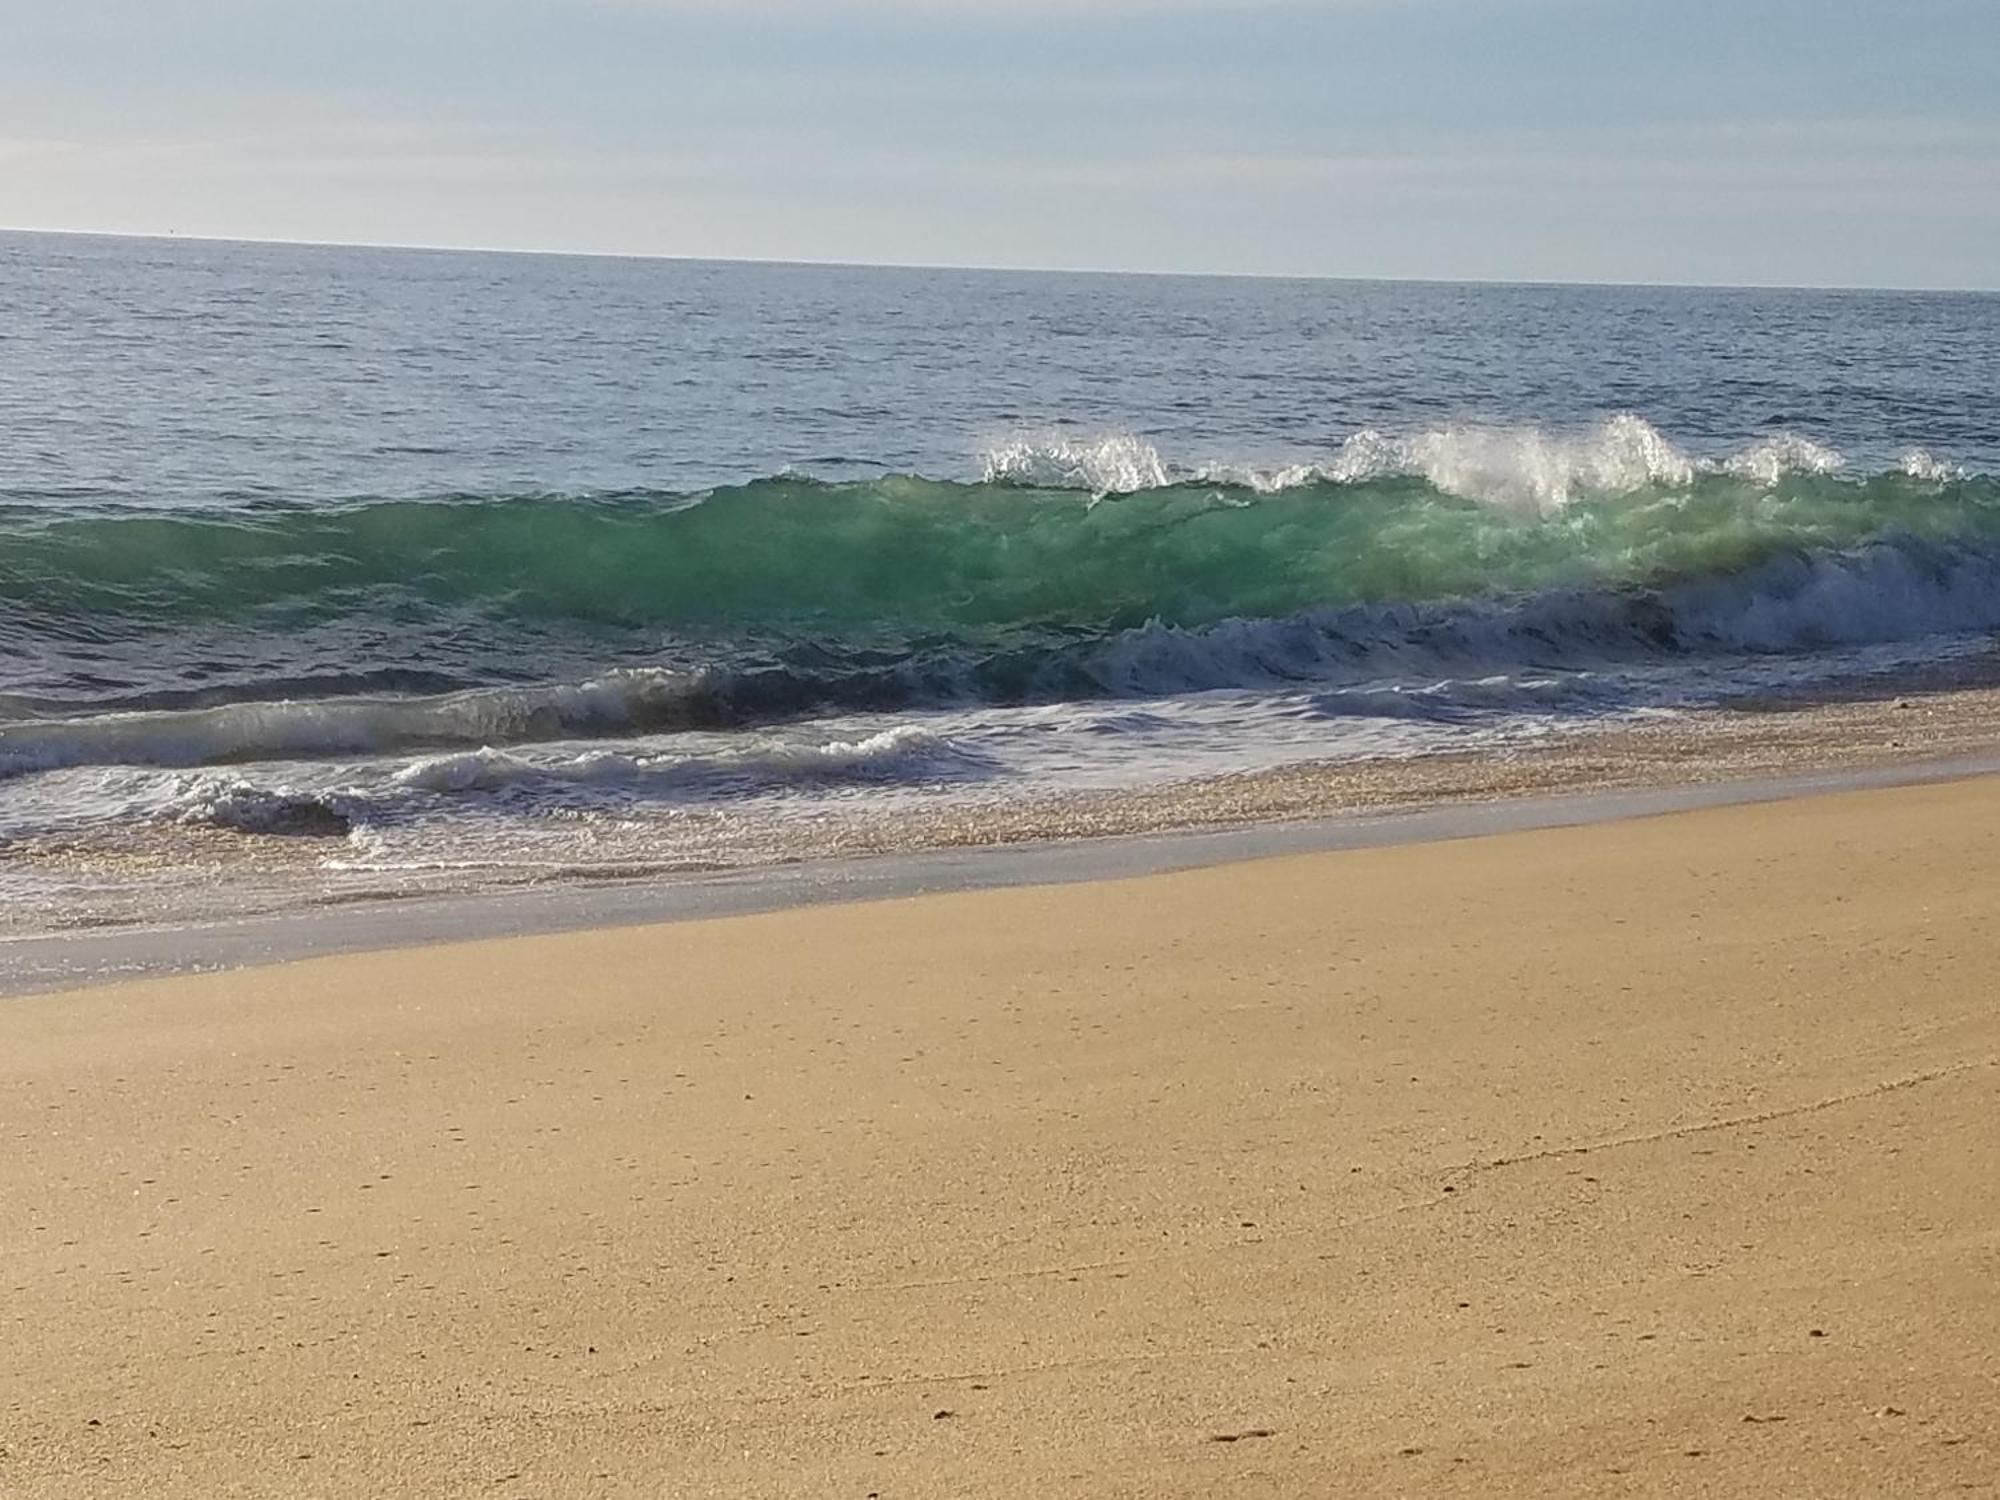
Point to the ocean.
(330, 573)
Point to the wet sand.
(1647, 1157)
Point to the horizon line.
(808, 263)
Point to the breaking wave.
(1518, 468)
(1895, 588)
(1074, 570)
(1065, 538)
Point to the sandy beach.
(1648, 1157)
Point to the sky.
(1798, 142)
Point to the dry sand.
(1643, 1158)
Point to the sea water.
(435, 568)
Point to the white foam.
(904, 753)
(1526, 469)
(1114, 463)
(1769, 461)
(488, 769)
(1918, 464)
(287, 727)
(231, 802)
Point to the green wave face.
(897, 561)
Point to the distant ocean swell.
(1073, 571)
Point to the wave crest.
(1770, 461)
(1517, 468)
(1916, 463)
(1116, 463)
(1522, 468)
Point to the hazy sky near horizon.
(1849, 142)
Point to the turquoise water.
(890, 562)
(840, 582)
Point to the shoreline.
(39, 964)
(1905, 734)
